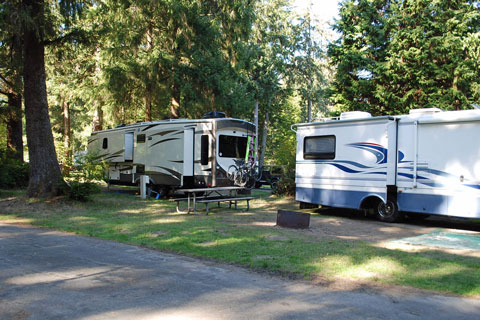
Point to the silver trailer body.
(173, 153)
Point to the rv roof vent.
(354, 115)
(424, 111)
(214, 115)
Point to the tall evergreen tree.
(396, 55)
(174, 57)
(433, 58)
(359, 53)
(45, 176)
(11, 65)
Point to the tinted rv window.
(321, 147)
(140, 138)
(204, 150)
(232, 147)
(105, 143)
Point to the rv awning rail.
(306, 124)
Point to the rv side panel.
(342, 163)
(442, 176)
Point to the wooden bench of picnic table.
(230, 200)
(210, 194)
(218, 199)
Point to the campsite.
(322, 149)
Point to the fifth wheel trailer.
(425, 162)
(173, 153)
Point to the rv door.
(392, 134)
(392, 161)
(188, 154)
(128, 146)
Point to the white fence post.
(143, 186)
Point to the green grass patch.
(248, 239)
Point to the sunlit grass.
(250, 239)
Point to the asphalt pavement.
(52, 275)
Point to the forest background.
(69, 67)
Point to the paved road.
(51, 275)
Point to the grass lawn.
(248, 239)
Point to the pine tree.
(393, 56)
(360, 53)
(11, 66)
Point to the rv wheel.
(388, 212)
(306, 205)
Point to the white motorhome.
(425, 162)
(173, 153)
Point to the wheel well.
(150, 180)
(370, 202)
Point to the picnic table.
(209, 195)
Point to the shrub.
(82, 174)
(82, 191)
(286, 184)
(13, 173)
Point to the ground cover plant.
(250, 239)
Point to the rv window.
(320, 147)
(204, 150)
(105, 143)
(140, 138)
(232, 147)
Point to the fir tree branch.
(8, 83)
(74, 35)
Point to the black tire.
(274, 186)
(274, 182)
(306, 205)
(388, 212)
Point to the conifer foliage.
(396, 55)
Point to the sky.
(323, 10)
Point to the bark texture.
(67, 133)
(97, 123)
(45, 177)
(264, 140)
(14, 126)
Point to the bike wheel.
(232, 172)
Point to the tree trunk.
(14, 96)
(67, 134)
(264, 140)
(148, 104)
(97, 123)
(45, 177)
(174, 102)
(309, 111)
(255, 121)
(14, 125)
(148, 87)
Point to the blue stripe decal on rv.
(377, 150)
(353, 163)
(474, 186)
(381, 154)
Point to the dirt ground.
(353, 225)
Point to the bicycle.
(243, 174)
